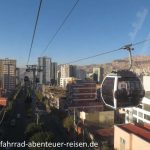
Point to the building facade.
(141, 113)
(82, 90)
(131, 137)
(68, 71)
(65, 81)
(44, 63)
(99, 73)
(18, 80)
(68, 74)
(53, 73)
(81, 74)
(7, 74)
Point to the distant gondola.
(122, 89)
(26, 79)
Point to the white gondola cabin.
(122, 89)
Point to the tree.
(42, 137)
(32, 129)
(68, 123)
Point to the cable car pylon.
(129, 48)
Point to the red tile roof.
(140, 131)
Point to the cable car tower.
(122, 88)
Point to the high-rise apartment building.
(18, 76)
(68, 71)
(54, 73)
(44, 63)
(7, 74)
(81, 74)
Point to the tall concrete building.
(99, 73)
(68, 71)
(81, 74)
(54, 73)
(18, 80)
(44, 76)
(7, 74)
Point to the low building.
(82, 90)
(139, 114)
(104, 137)
(87, 106)
(131, 137)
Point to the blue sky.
(95, 26)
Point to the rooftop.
(139, 130)
(86, 103)
(108, 132)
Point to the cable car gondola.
(26, 79)
(122, 88)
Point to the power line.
(59, 28)
(89, 57)
(39, 8)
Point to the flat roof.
(139, 130)
(108, 132)
(86, 103)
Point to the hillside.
(141, 64)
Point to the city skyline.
(86, 32)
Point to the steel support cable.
(35, 27)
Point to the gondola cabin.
(122, 89)
(26, 79)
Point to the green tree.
(42, 137)
(68, 123)
(33, 128)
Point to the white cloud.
(137, 25)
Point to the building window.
(147, 117)
(140, 114)
(122, 143)
(134, 120)
(134, 112)
(140, 122)
(127, 118)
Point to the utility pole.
(34, 69)
(37, 118)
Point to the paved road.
(16, 133)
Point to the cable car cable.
(94, 56)
(103, 53)
(35, 27)
(60, 27)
